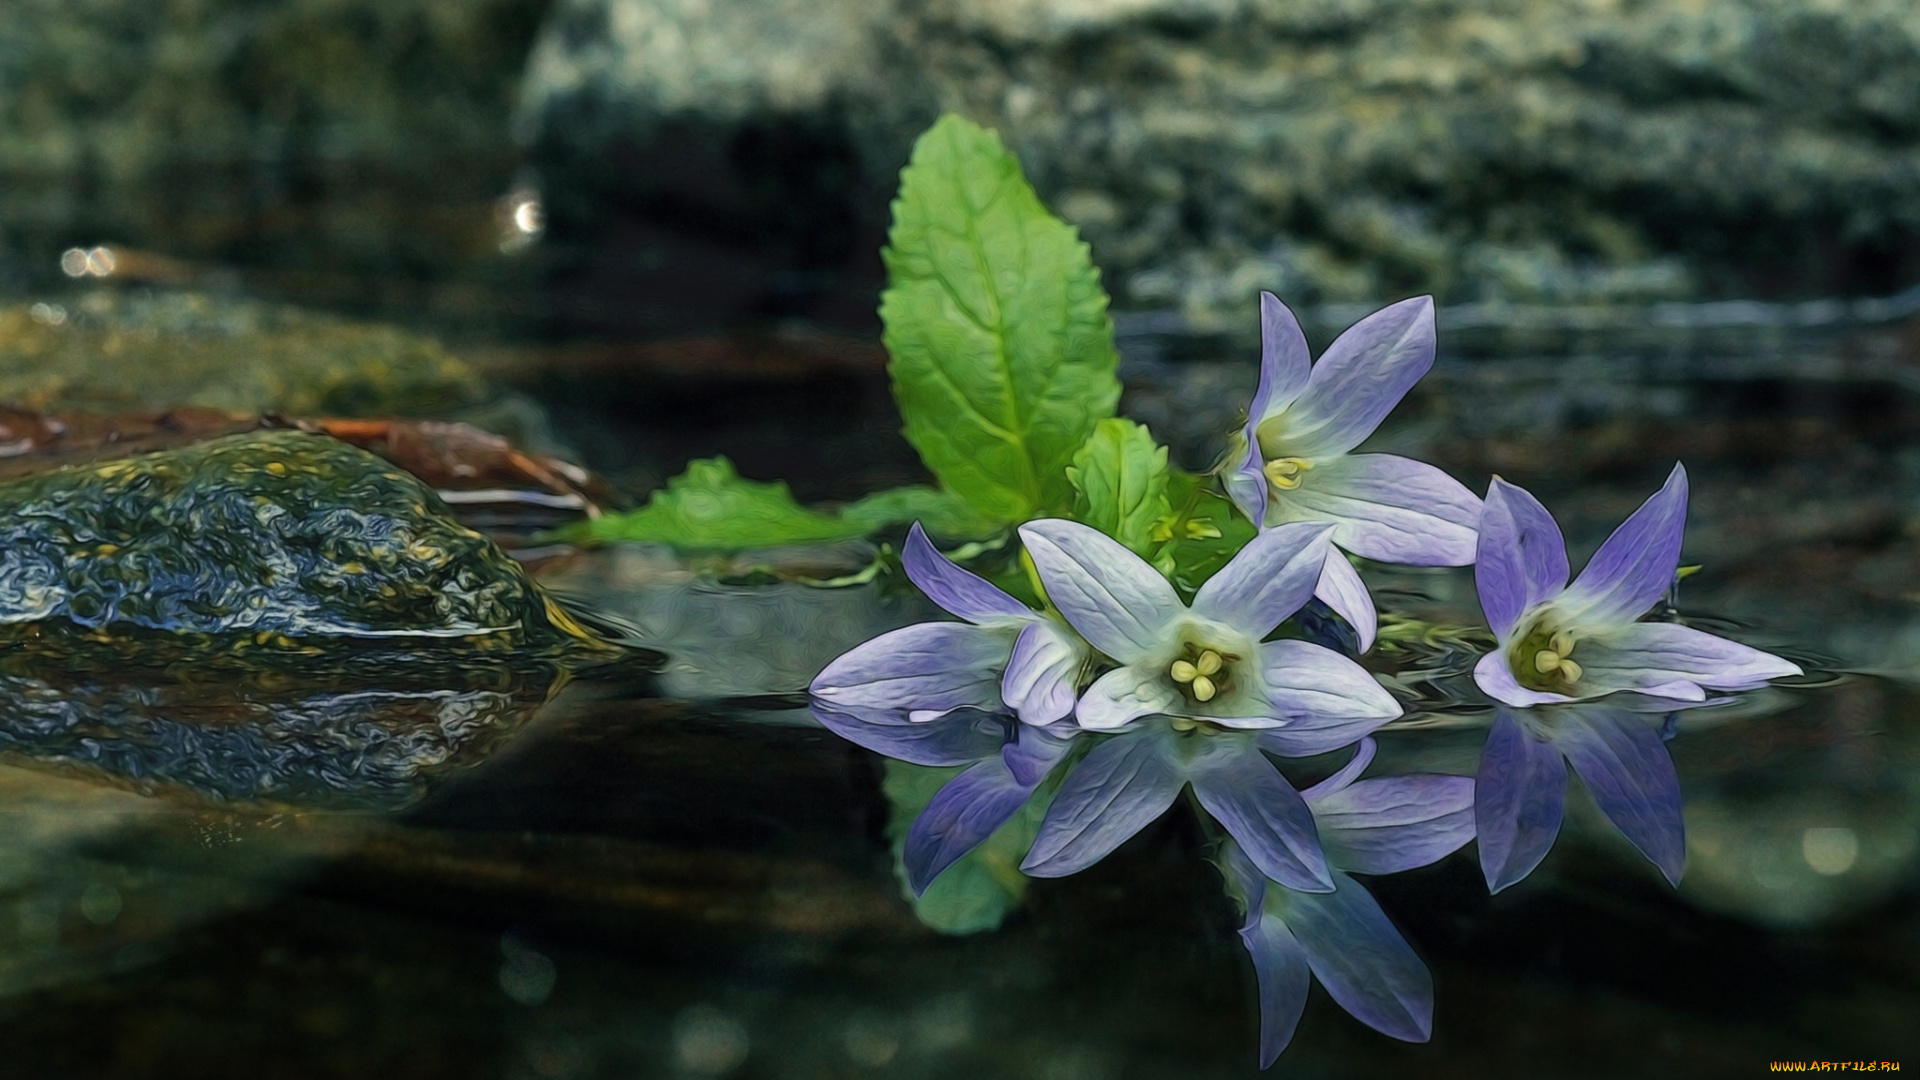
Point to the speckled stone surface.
(1330, 150)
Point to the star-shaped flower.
(1005, 656)
(1305, 420)
(1562, 643)
(947, 693)
(1195, 693)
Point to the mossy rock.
(274, 540)
(111, 352)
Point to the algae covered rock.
(266, 535)
(111, 352)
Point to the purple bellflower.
(948, 694)
(1004, 657)
(1378, 826)
(1305, 420)
(1195, 694)
(1521, 789)
(1560, 643)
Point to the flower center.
(1202, 672)
(1543, 660)
(1287, 472)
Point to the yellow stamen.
(1561, 642)
(1184, 672)
(1571, 670)
(1209, 662)
(1181, 723)
(1203, 689)
(1285, 473)
(1546, 660)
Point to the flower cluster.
(1118, 694)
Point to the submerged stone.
(267, 539)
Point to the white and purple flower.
(1005, 656)
(1305, 420)
(948, 694)
(1560, 642)
(1194, 696)
(1341, 937)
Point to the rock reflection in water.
(147, 793)
(359, 745)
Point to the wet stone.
(266, 539)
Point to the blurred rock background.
(345, 152)
(696, 163)
(1333, 150)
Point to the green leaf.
(941, 513)
(1120, 475)
(985, 885)
(711, 507)
(1002, 351)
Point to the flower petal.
(1519, 795)
(1360, 378)
(961, 816)
(1362, 757)
(1395, 823)
(1278, 961)
(960, 737)
(1280, 965)
(1495, 678)
(1341, 589)
(1111, 794)
(1109, 594)
(1361, 959)
(1246, 482)
(926, 667)
(1032, 752)
(1248, 796)
(1267, 580)
(958, 590)
(1521, 558)
(1286, 365)
(1618, 755)
(1635, 567)
(1321, 700)
(1668, 657)
(1387, 508)
(1122, 695)
(1038, 684)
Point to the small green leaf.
(941, 513)
(984, 886)
(1120, 475)
(712, 508)
(1002, 350)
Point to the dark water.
(676, 874)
